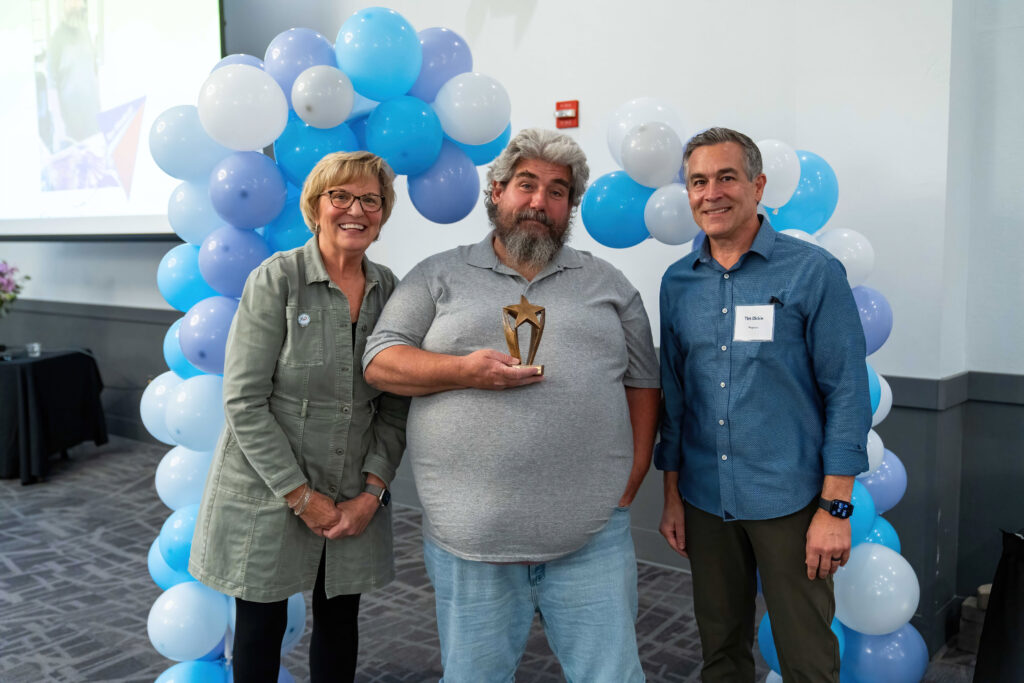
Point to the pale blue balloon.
(380, 51)
(613, 210)
(288, 230)
(239, 58)
(293, 51)
(406, 133)
(173, 355)
(883, 533)
(181, 476)
(190, 211)
(247, 189)
(897, 657)
(175, 539)
(195, 672)
(301, 146)
(153, 407)
(489, 151)
(228, 255)
(204, 334)
(863, 517)
(448, 190)
(187, 621)
(181, 147)
(163, 576)
(195, 413)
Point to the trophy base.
(538, 368)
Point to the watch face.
(841, 509)
(385, 497)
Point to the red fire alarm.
(567, 114)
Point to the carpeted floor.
(75, 591)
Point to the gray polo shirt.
(526, 474)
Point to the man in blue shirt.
(766, 417)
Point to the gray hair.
(716, 136)
(545, 145)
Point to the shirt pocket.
(787, 330)
(303, 337)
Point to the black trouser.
(260, 626)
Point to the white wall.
(866, 85)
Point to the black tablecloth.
(47, 404)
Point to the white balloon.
(773, 677)
(473, 108)
(181, 476)
(652, 154)
(153, 406)
(187, 620)
(877, 591)
(853, 249)
(800, 235)
(782, 168)
(635, 112)
(322, 96)
(876, 452)
(668, 217)
(884, 402)
(242, 107)
(195, 413)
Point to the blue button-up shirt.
(753, 426)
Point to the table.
(47, 405)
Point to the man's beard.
(525, 247)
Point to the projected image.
(83, 145)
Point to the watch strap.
(381, 493)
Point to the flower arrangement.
(10, 286)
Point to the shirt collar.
(764, 243)
(482, 255)
(317, 272)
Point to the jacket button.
(340, 451)
(345, 409)
(333, 489)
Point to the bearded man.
(526, 478)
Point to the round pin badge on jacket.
(303, 319)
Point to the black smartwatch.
(837, 508)
(382, 495)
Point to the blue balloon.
(289, 230)
(216, 653)
(888, 483)
(190, 212)
(489, 151)
(181, 147)
(173, 355)
(445, 54)
(227, 257)
(613, 210)
(164, 576)
(875, 316)
(380, 51)
(301, 146)
(406, 132)
(283, 676)
(179, 280)
(239, 58)
(175, 539)
(874, 388)
(883, 533)
(358, 126)
(293, 51)
(204, 334)
(247, 189)
(447, 191)
(863, 517)
(195, 672)
(814, 200)
(766, 642)
(897, 657)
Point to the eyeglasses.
(340, 199)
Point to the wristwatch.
(382, 495)
(837, 508)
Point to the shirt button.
(724, 456)
(721, 422)
(724, 347)
(725, 310)
(726, 276)
(722, 384)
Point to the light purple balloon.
(239, 58)
(447, 191)
(227, 257)
(445, 54)
(293, 51)
(204, 334)
(247, 189)
(875, 316)
(888, 483)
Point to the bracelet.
(303, 503)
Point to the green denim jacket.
(297, 411)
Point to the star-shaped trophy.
(534, 316)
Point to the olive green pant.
(725, 558)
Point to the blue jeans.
(587, 603)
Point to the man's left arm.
(643, 417)
(835, 339)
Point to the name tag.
(754, 323)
